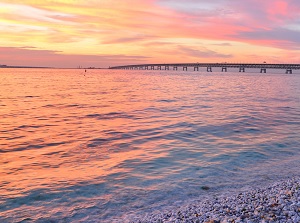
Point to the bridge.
(209, 66)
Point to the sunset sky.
(103, 33)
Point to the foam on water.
(111, 144)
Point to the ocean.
(111, 145)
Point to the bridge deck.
(208, 65)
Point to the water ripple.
(108, 143)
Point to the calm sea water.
(108, 145)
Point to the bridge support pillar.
(289, 71)
(242, 69)
(158, 67)
(224, 69)
(185, 68)
(152, 68)
(263, 70)
(209, 69)
(174, 68)
(146, 68)
(167, 68)
(196, 68)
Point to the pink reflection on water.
(134, 130)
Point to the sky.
(103, 33)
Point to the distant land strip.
(7, 66)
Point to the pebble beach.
(278, 202)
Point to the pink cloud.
(250, 21)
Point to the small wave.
(30, 96)
(28, 126)
(31, 147)
(111, 115)
(167, 100)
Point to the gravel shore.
(279, 202)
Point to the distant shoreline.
(32, 67)
(6, 66)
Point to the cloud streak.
(202, 53)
